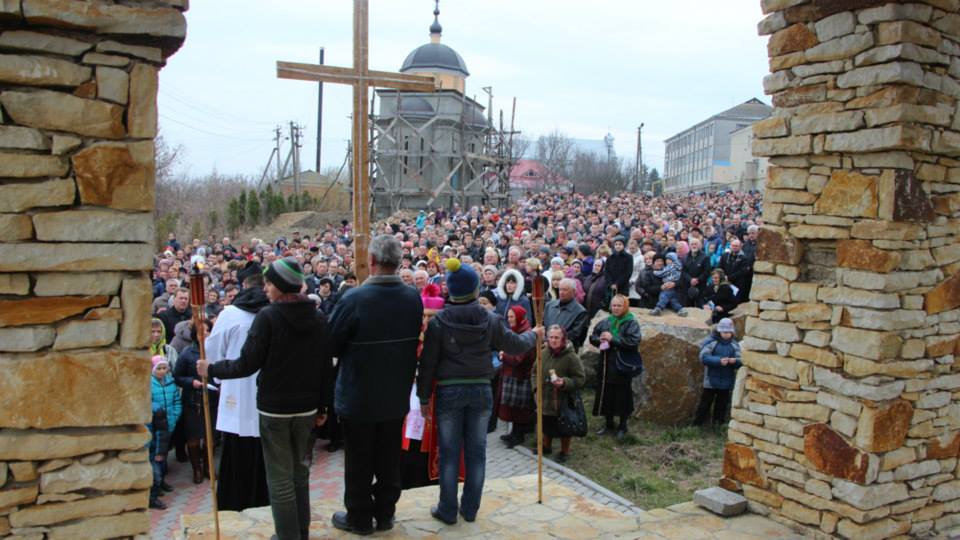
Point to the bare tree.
(520, 146)
(592, 173)
(555, 151)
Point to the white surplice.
(237, 412)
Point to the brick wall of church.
(847, 418)
(78, 115)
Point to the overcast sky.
(585, 68)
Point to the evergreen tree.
(265, 207)
(242, 203)
(213, 221)
(292, 203)
(233, 216)
(253, 209)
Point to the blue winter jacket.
(714, 348)
(164, 395)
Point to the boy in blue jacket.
(720, 354)
(165, 404)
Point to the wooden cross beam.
(362, 79)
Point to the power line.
(201, 130)
(177, 95)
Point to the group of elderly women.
(563, 375)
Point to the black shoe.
(561, 457)
(156, 504)
(341, 522)
(506, 437)
(467, 519)
(514, 440)
(333, 446)
(385, 524)
(606, 430)
(435, 512)
(166, 487)
(547, 451)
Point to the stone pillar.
(78, 89)
(847, 417)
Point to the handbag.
(572, 418)
(628, 363)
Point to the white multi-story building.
(700, 158)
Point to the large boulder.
(672, 380)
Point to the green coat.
(568, 367)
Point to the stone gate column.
(78, 88)
(847, 418)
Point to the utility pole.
(276, 140)
(319, 114)
(295, 132)
(638, 179)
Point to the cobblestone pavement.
(326, 483)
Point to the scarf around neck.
(615, 322)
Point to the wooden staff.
(197, 301)
(538, 315)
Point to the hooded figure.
(515, 297)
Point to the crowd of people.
(411, 369)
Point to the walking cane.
(197, 300)
(538, 315)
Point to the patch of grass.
(654, 466)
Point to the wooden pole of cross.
(362, 79)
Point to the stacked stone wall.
(78, 115)
(846, 420)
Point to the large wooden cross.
(362, 79)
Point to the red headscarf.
(522, 323)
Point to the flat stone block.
(720, 501)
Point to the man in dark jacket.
(739, 270)
(289, 343)
(648, 285)
(696, 270)
(619, 268)
(180, 312)
(376, 330)
(456, 354)
(567, 313)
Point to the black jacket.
(171, 317)
(648, 287)
(629, 340)
(459, 342)
(376, 330)
(618, 269)
(738, 268)
(289, 342)
(696, 266)
(723, 297)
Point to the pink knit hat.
(431, 297)
(156, 361)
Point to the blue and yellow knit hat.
(463, 283)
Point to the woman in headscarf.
(562, 374)
(515, 393)
(618, 333)
(159, 345)
(596, 286)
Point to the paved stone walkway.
(510, 510)
(326, 483)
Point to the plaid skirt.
(516, 392)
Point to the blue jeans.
(668, 298)
(463, 411)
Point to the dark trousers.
(284, 442)
(719, 400)
(372, 451)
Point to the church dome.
(434, 57)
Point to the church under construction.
(438, 149)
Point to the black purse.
(572, 420)
(628, 363)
